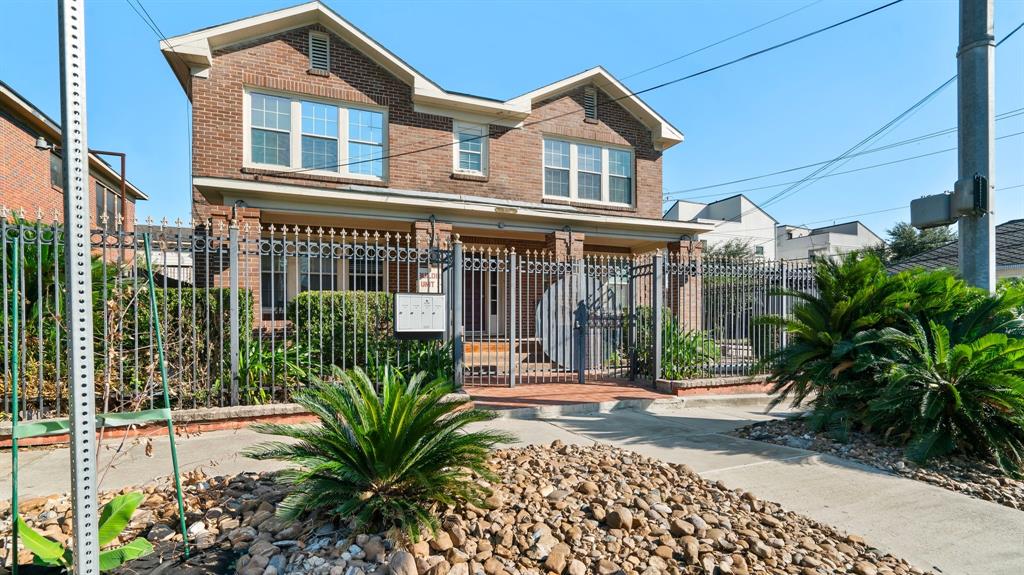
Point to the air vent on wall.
(319, 52)
(590, 103)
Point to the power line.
(809, 179)
(450, 141)
(834, 174)
(908, 141)
(722, 41)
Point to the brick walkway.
(535, 395)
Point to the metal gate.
(531, 318)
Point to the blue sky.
(801, 104)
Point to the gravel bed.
(978, 479)
(555, 509)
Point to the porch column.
(214, 269)
(565, 245)
(685, 283)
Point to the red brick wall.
(279, 62)
(25, 176)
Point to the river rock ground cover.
(554, 509)
(978, 479)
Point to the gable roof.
(1009, 251)
(666, 134)
(192, 54)
(38, 120)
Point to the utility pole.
(78, 252)
(975, 141)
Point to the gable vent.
(319, 52)
(590, 103)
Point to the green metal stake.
(167, 393)
(14, 413)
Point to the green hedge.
(346, 329)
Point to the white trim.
(192, 54)
(415, 203)
(482, 131)
(574, 172)
(295, 134)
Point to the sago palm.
(949, 389)
(385, 458)
(853, 294)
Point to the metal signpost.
(77, 250)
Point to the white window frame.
(605, 171)
(481, 130)
(295, 135)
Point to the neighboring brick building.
(300, 118)
(30, 175)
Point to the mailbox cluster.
(420, 315)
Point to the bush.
(387, 459)
(347, 328)
(818, 363)
(684, 353)
(919, 357)
(950, 390)
(195, 325)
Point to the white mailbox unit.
(420, 315)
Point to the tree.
(734, 249)
(906, 241)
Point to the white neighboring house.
(735, 217)
(797, 243)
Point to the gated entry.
(532, 319)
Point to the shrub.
(347, 328)
(385, 458)
(854, 294)
(684, 353)
(919, 357)
(268, 370)
(951, 390)
(430, 357)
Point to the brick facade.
(279, 63)
(25, 185)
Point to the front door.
(481, 302)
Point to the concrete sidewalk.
(931, 527)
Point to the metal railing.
(250, 314)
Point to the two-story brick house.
(31, 169)
(301, 119)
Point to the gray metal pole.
(631, 298)
(975, 139)
(513, 292)
(657, 284)
(458, 338)
(77, 247)
(233, 270)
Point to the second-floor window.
(471, 149)
(588, 172)
(315, 136)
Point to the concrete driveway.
(931, 527)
